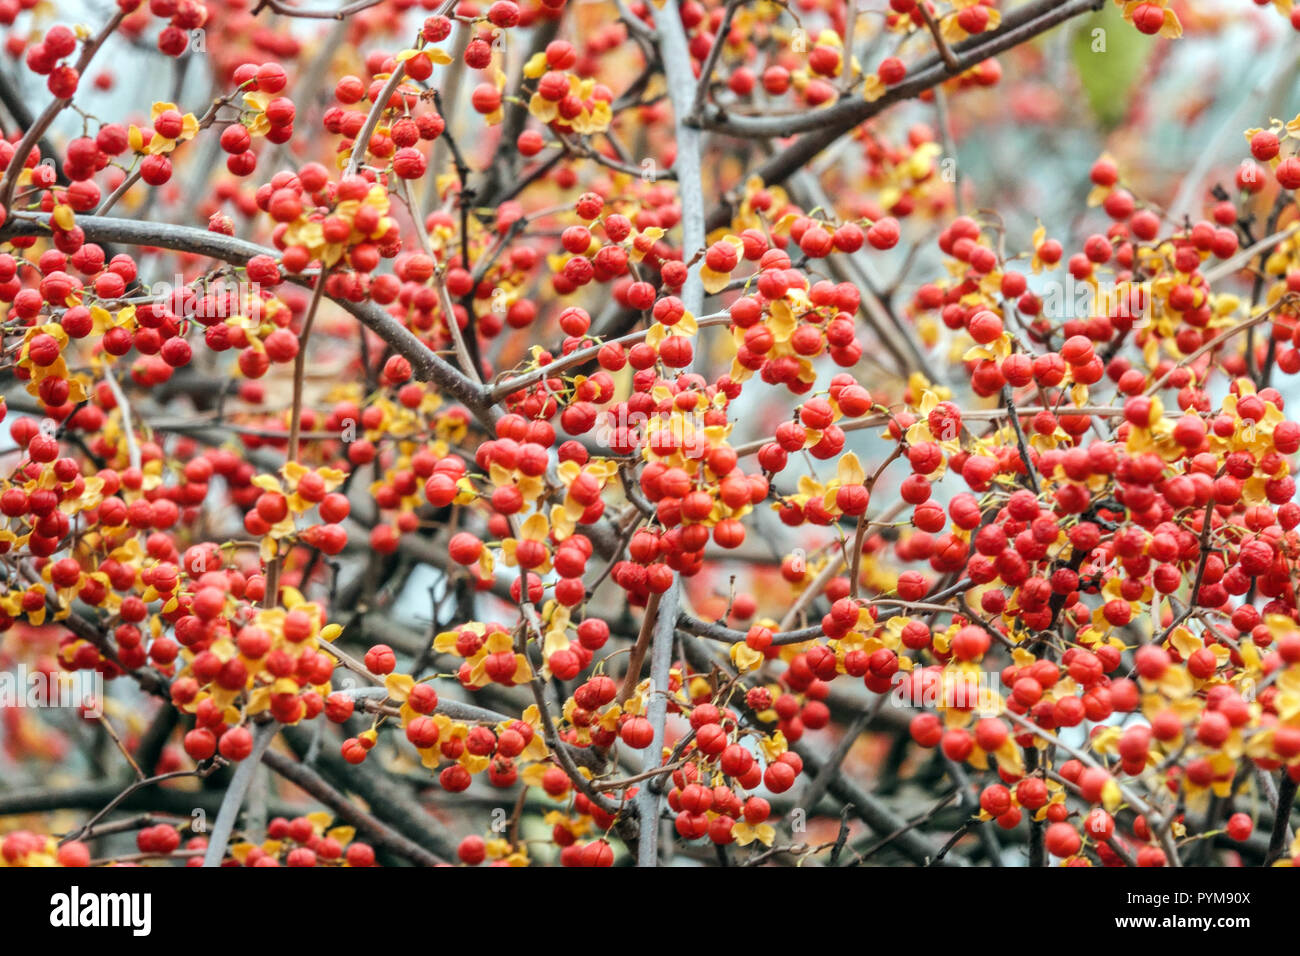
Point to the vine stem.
(361, 145)
(945, 51)
(1218, 340)
(1281, 819)
(300, 367)
(1154, 818)
(426, 365)
(128, 426)
(206, 120)
(661, 655)
(43, 122)
(715, 51)
(378, 832)
(235, 793)
(637, 657)
(582, 356)
(671, 39)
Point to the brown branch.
(300, 366)
(1219, 339)
(1285, 801)
(43, 122)
(378, 832)
(288, 10)
(426, 365)
(637, 658)
(945, 51)
(824, 127)
(715, 51)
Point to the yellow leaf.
(399, 686)
(240, 851)
(535, 528)
(344, 835)
(564, 518)
(744, 657)
(259, 699)
(267, 483)
(533, 774)
(474, 763)
(1183, 640)
(1010, 756)
(497, 642)
(1171, 29)
(555, 640)
(746, 834)
(782, 323)
(63, 216)
(160, 144)
(1111, 798)
(523, 670)
(536, 66)
(772, 747)
(714, 282)
(849, 470)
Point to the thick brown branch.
(425, 364)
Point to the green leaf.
(1109, 55)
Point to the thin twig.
(234, 798)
